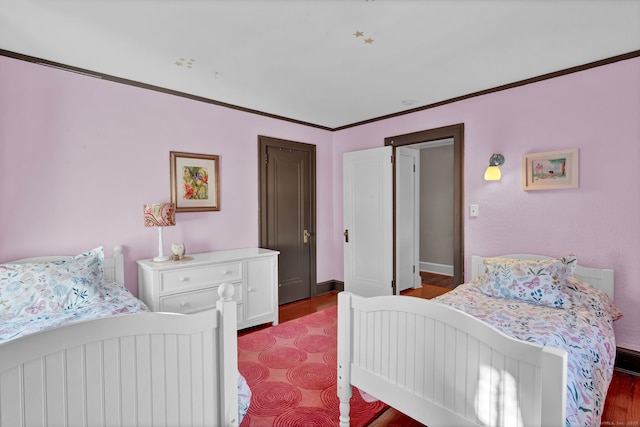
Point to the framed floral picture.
(195, 182)
(550, 170)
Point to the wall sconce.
(493, 170)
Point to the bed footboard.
(444, 367)
(127, 370)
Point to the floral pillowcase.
(539, 282)
(33, 288)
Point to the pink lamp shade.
(160, 215)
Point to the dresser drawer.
(191, 302)
(198, 276)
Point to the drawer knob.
(183, 279)
(227, 272)
(184, 304)
(250, 290)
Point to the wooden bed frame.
(426, 360)
(127, 370)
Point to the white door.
(368, 221)
(407, 218)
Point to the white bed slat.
(111, 376)
(32, 375)
(399, 368)
(197, 376)
(74, 389)
(143, 379)
(128, 374)
(95, 375)
(185, 372)
(156, 367)
(460, 389)
(171, 377)
(429, 359)
(419, 350)
(53, 377)
(472, 376)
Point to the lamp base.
(161, 256)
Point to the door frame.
(263, 143)
(456, 132)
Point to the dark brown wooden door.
(287, 213)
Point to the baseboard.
(432, 267)
(329, 286)
(628, 360)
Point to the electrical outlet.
(473, 210)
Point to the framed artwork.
(550, 170)
(195, 182)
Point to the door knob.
(305, 236)
(346, 236)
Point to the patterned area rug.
(291, 370)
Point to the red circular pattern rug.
(291, 370)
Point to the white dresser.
(192, 285)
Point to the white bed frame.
(130, 370)
(444, 367)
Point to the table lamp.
(160, 215)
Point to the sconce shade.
(159, 214)
(492, 173)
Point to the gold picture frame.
(195, 181)
(550, 170)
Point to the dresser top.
(207, 257)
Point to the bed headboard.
(113, 267)
(599, 277)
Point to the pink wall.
(93, 152)
(80, 156)
(597, 111)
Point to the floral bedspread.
(584, 329)
(116, 300)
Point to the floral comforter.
(116, 300)
(584, 329)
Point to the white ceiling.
(304, 59)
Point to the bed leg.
(345, 407)
(344, 357)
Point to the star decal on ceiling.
(183, 62)
(359, 34)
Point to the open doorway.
(452, 137)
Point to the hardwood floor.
(622, 407)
